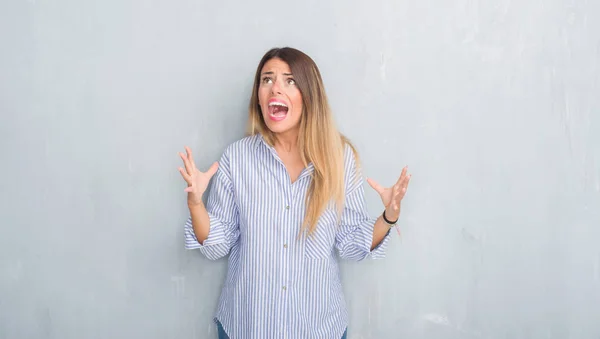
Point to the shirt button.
(284, 288)
(287, 207)
(284, 245)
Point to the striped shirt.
(280, 285)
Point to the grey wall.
(494, 105)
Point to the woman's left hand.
(392, 196)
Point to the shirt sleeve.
(355, 235)
(223, 214)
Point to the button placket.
(285, 227)
(286, 257)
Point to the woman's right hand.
(197, 181)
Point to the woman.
(283, 201)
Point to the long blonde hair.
(319, 140)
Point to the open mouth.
(277, 110)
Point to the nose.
(276, 88)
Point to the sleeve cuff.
(216, 234)
(379, 251)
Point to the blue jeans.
(223, 335)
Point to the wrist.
(194, 205)
(390, 217)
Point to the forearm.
(381, 227)
(380, 230)
(200, 221)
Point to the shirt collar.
(260, 140)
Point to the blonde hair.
(319, 140)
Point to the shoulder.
(351, 156)
(235, 155)
(241, 149)
(352, 168)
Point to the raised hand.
(197, 181)
(392, 196)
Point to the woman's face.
(279, 98)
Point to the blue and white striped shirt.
(280, 285)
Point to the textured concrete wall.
(495, 107)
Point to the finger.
(397, 191)
(212, 169)
(185, 176)
(402, 175)
(186, 163)
(403, 189)
(402, 184)
(375, 185)
(394, 202)
(397, 196)
(190, 157)
(405, 186)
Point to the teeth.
(278, 104)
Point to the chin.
(282, 126)
(278, 128)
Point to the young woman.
(283, 202)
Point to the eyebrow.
(270, 73)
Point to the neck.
(287, 141)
